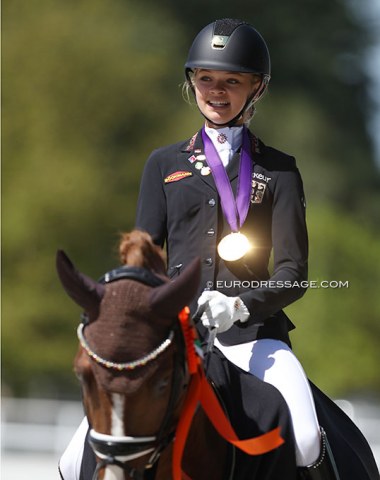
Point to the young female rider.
(226, 197)
(229, 199)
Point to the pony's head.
(131, 358)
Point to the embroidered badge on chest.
(257, 192)
(205, 171)
(176, 176)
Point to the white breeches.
(274, 362)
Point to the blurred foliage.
(338, 331)
(91, 87)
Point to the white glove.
(221, 312)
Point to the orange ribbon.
(200, 391)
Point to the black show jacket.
(180, 207)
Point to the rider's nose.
(217, 87)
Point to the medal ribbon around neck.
(235, 211)
(235, 245)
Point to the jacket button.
(208, 261)
(211, 232)
(212, 202)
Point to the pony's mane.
(136, 249)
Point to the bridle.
(141, 362)
(119, 450)
(189, 376)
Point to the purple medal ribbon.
(235, 211)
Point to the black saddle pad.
(254, 407)
(352, 453)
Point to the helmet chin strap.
(231, 123)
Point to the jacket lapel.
(234, 164)
(193, 156)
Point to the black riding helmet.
(234, 46)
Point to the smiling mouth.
(217, 104)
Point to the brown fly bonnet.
(130, 312)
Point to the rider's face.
(221, 95)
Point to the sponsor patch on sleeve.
(175, 176)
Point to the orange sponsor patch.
(174, 177)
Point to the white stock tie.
(226, 141)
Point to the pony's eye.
(162, 385)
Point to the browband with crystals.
(127, 365)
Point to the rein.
(201, 393)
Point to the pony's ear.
(169, 299)
(82, 289)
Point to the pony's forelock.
(137, 249)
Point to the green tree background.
(91, 87)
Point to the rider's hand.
(220, 311)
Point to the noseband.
(119, 450)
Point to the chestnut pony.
(133, 365)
